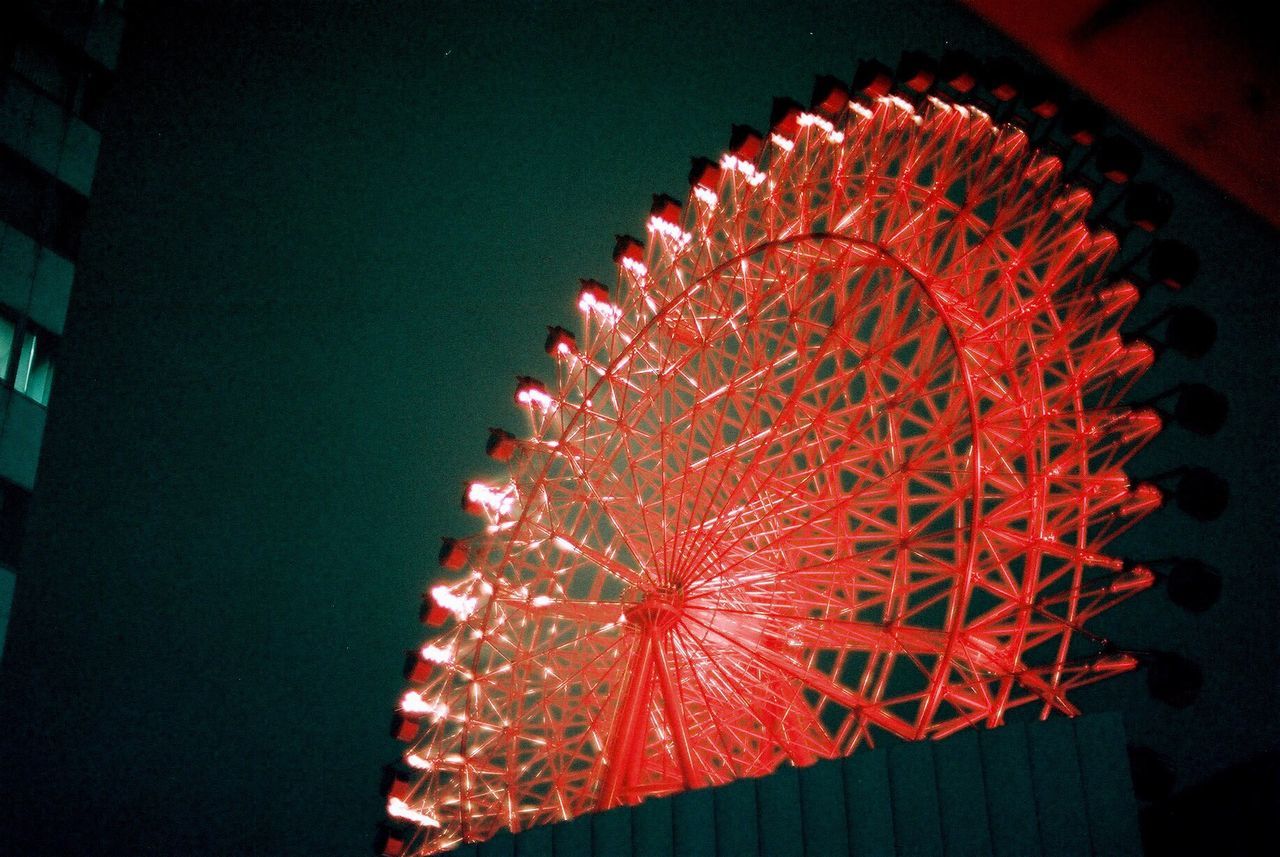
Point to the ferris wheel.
(835, 459)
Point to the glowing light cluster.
(806, 120)
(414, 703)
(589, 303)
(437, 654)
(706, 195)
(841, 469)
(670, 230)
(413, 760)
(534, 396)
(396, 808)
(746, 169)
(782, 142)
(497, 502)
(637, 268)
(461, 606)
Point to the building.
(57, 60)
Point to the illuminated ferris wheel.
(835, 459)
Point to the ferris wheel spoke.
(825, 632)
(867, 483)
(610, 496)
(778, 536)
(598, 616)
(701, 719)
(643, 371)
(804, 370)
(780, 457)
(784, 525)
(581, 547)
(564, 695)
(798, 727)
(672, 361)
(744, 363)
(921, 463)
(787, 718)
(723, 362)
(730, 688)
(711, 367)
(673, 710)
(850, 464)
(819, 682)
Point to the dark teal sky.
(324, 238)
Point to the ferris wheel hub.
(658, 610)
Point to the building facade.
(57, 58)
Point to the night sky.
(323, 240)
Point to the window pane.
(34, 374)
(41, 380)
(6, 347)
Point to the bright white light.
(497, 502)
(860, 110)
(437, 654)
(413, 703)
(745, 168)
(540, 600)
(670, 230)
(397, 808)
(898, 102)
(565, 545)
(460, 606)
(413, 760)
(635, 266)
(596, 300)
(706, 195)
(782, 142)
(534, 397)
(606, 311)
(807, 119)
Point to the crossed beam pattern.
(835, 460)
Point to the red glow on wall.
(838, 465)
(1196, 77)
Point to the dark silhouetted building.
(57, 58)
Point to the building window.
(26, 357)
(7, 331)
(33, 375)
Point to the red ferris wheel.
(835, 459)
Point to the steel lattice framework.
(836, 459)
